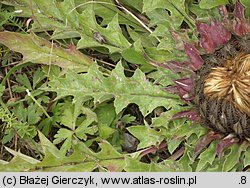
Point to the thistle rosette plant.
(105, 108)
(218, 88)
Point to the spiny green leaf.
(113, 165)
(106, 10)
(71, 167)
(140, 91)
(17, 164)
(233, 157)
(247, 157)
(176, 7)
(146, 39)
(207, 156)
(167, 42)
(69, 20)
(208, 4)
(39, 50)
(162, 55)
(186, 162)
(185, 129)
(146, 135)
(164, 119)
(246, 3)
(187, 133)
(204, 15)
(74, 162)
(114, 34)
(136, 89)
(174, 143)
(55, 16)
(22, 156)
(134, 57)
(133, 165)
(48, 147)
(88, 22)
(107, 151)
(107, 157)
(138, 4)
(114, 39)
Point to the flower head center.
(231, 82)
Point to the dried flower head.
(219, 86)
(231, 82)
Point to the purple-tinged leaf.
(204, 141)
(212, 35)
(171, 65)
(174, 66)
(194, 56)
(184, 84)
(239, 10)
(225, 143)
(172, 89)
(241, 26)
(190, 114)
(113, 165)
(182, 88)
(177, 154)
(153, 149)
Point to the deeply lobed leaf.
(123, 90)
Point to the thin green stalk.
(38, 104)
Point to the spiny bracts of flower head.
(219, 85)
